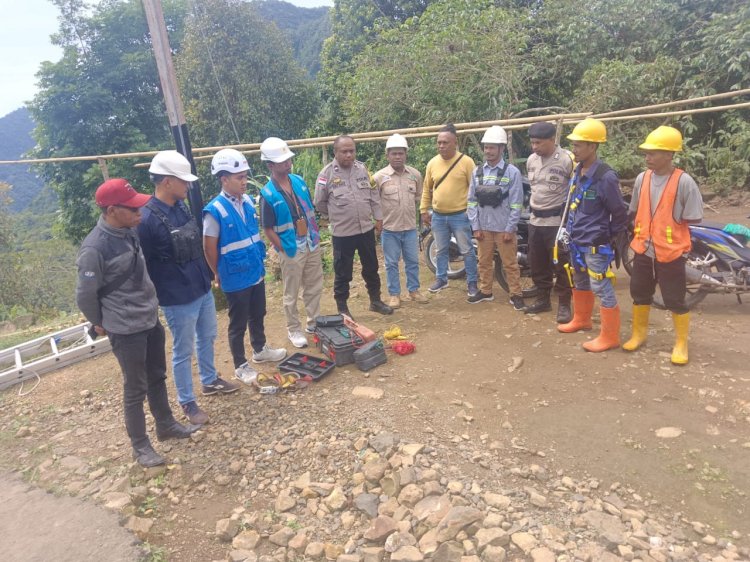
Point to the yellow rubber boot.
(583, 305)
(640, 327)
(609, 334)
(681, 329)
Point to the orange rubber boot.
(609, 335)
(583, 305)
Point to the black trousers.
(670, 276)
(144, 371)
(344, 248)
(544, 271)
(247, 308)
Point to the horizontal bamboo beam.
(418, 132)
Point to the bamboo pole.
(419, 132)
(688, 101)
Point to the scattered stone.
(333, 551)
(315, 550)
(242, 556)
(410, 495)
(368, 392)
(455, 520)
(336, 500)
(497, 500)
(525, 541)
(609, 527)
(372, 554)
(298, 542)
(246, 540)
(140, 526)
(284, 502)
(517, 362)
(23, 432)
(407, 554)
(493, 554)
(116, 500)
(491, 537)
(543, 554)
(282, 536)
(380, 528)
(668, 432)
(448, 552)
(227, 529)
(367, 503)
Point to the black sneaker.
(479, 296)
(517, 302)
(219, 385)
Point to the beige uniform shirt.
(347, 198)
(399, 196)
(549, 178)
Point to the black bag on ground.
(370, 355)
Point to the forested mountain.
(306, 29)
(16, 140)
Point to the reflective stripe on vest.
(669, 238)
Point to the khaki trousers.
(305, 271)
(508, 253)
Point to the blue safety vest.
(241, 251)
(284, 226)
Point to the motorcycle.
(718, 262)
(456, 267)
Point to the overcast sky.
(25, 28)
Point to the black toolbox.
(338, 343)
(370, 355)
(304, 364)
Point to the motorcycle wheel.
(695, 293)
(456, 268)
(528, 289)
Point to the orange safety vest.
(669, 238)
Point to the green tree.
(102, 96)
(451, 64)
(355, 25)
(233, 64)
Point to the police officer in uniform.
(549, 169)
(665, 201)
(345, 195)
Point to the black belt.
(448, 214)
(545, 213)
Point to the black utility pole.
(175, 111)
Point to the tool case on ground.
(304, 364)
(370, 355)
(338, 343)
(330, 320)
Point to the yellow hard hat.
(589, 130)
(663, 138)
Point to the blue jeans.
(193, 326)
(604, 289)
(394, 244)
(458, 225)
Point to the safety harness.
(578, 253)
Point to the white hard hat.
(495, 135)
(273, 149)
(396, 141)
(171, 163)
(229, 160)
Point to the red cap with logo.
(118, 191)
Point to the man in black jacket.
(115, 294)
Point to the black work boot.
(145, 456)
(343, 308)
(377, 305)
(541, 304)
(564, 313)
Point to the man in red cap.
(115, 294)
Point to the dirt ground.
(588, 415)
